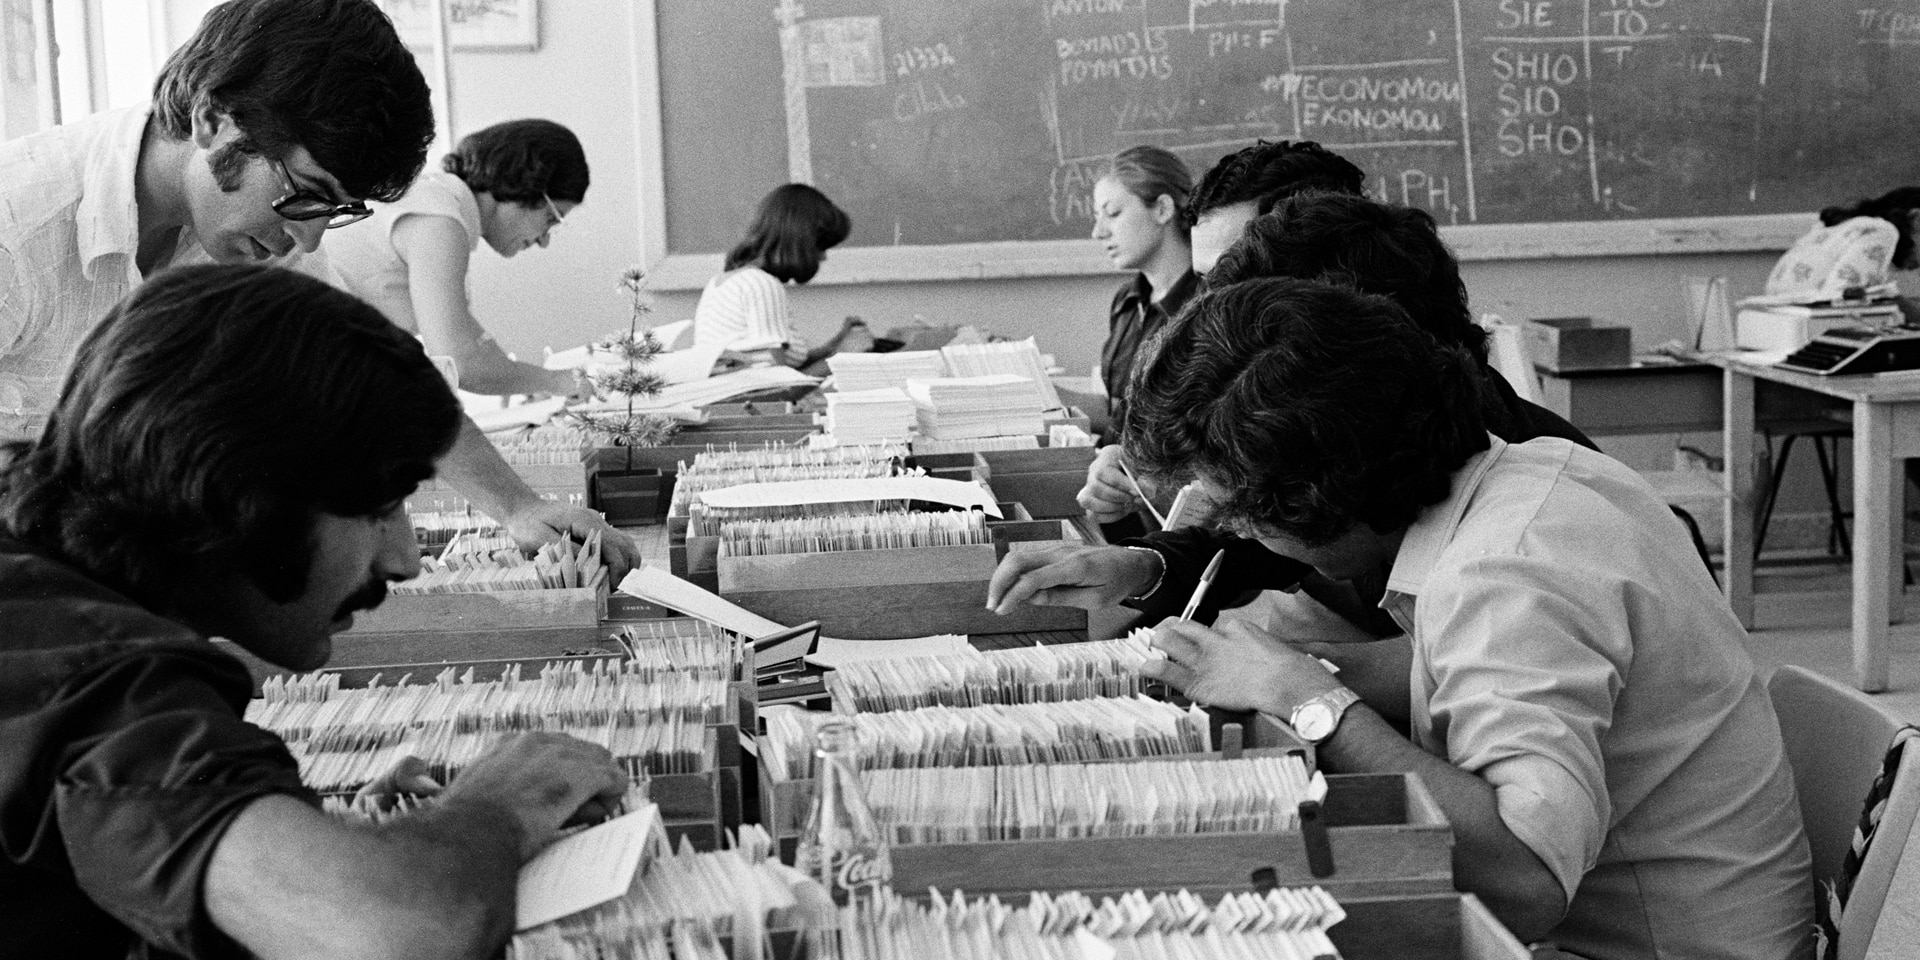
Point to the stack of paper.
(702, 392)
(871, 371)
(994, 405)
(1018, 357)
(868, 416)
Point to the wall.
(583, 76)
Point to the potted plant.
(626, 494)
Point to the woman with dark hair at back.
(509, 185)
(1853, 248)
(745, 309)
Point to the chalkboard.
(957, 123)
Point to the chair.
(1836, 740)
(1826, 435)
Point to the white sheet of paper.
(656, 585)
(955, 493)
(711, 390)
(834, 653)
(519, 415)
(586, 869)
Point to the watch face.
(1313, 721)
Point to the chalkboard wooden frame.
(1016, 259)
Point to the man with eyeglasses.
(274, 123)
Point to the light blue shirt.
(1570, 649)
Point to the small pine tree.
(636, 348)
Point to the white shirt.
(69, 233)
(364, 260)
(1570, 649)
(745, 309)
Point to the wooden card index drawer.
(1388, 838)
(884, 594)
(493, 610)
(1451, 926)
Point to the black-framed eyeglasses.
(554, 212)
(300, 203)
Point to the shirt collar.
(1140, 293)
(108, 216)
(1433, 530)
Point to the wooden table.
(1649, 395)
(1886, 431)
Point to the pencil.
(1206, 580)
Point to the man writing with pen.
(1579, 699)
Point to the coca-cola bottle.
(842, 846)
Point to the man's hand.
(1238, 668)
(1108, 495)
(544, 521)
(546, 780)
(1091, 578)
(408, 777)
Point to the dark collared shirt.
(1134, 317)
(124, 756)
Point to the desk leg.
(1737, 443)
(1873, 542)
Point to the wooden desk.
(1646, 396)
(1886, 431)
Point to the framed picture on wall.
(471, 24)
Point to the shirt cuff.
(1158, 578)
(1550, 812)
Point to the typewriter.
(1844, 350)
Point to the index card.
(586, 869)
(956, 493)
(658, 586)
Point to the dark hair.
(327, 75)
(209, 419)
(1150, 173)
(1895, 206)
(1312, 406)
(790, 229)
(1271, 171)
(1369, 246)
(522, 161)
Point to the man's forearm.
(475, 468)
(287, 881)
(1488, 859)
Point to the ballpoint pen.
(1142, 494)
(1206, 580)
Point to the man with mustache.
(272, 125)
(223, 460)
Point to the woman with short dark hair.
(745, 307)
(509, 185)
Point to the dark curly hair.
(1271, 171)
(327, 75)
(793, 225)
(1369, 246)
(1896, 206)
(522, 161)
(210, 418)
(1312, 406)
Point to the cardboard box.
(1577, 343)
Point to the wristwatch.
(1317, 719)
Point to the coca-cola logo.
(862, 871)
